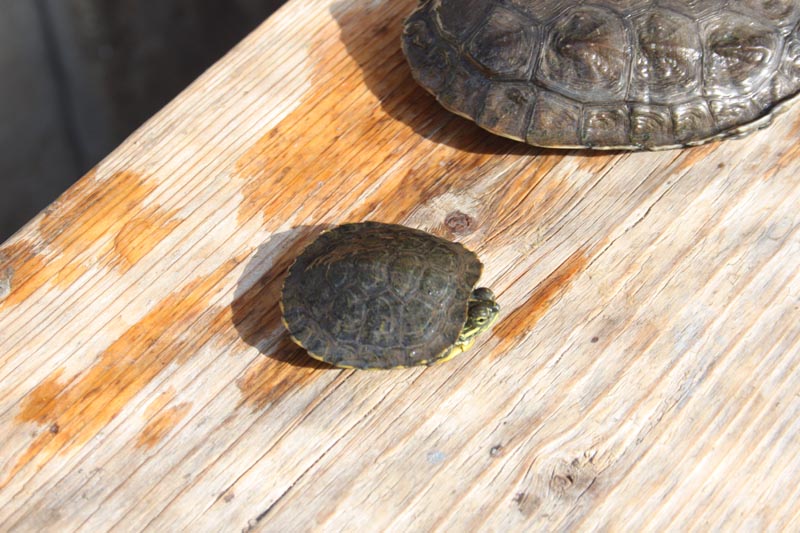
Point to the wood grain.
(643, 374)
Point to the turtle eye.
(480, 320)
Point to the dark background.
(78, 76)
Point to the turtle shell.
(625, 74)
(374, 295)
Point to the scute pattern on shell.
(374, 295)
(626, 74)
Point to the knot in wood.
(560, 482)
(459, 223)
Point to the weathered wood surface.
(643, 375)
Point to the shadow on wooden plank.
(371, 33)
(256, 313)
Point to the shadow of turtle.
(256, 312)
(370, 31)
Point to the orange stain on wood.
(373, 104)
(84, 406)
(19, 262)
(159, 426)
(93, 208)
(519, 322)
(270, 378)
(689, 157)
(153, 224)
(80, 228)
(96, 222)
(35, 406)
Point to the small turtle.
(374, 295)
(616, 74)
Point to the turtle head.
(481, 313)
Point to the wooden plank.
(643, 374)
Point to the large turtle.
(374, 295)
(624, 74)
